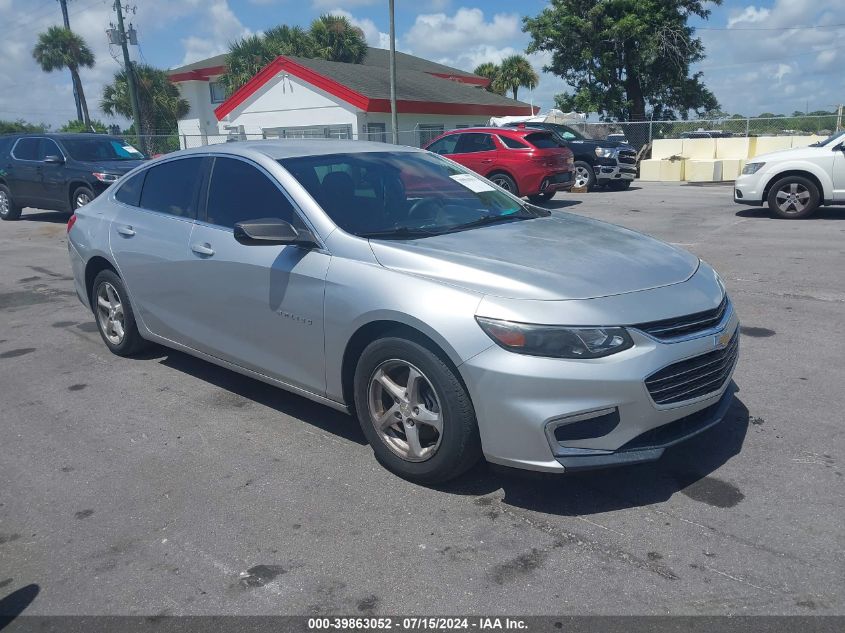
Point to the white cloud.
(441, 35)
(374, 37)
(218, 27)
(327, 4)
(782, 71)
(749, 15)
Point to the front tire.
(415, 412)
(584, 175)
(81, 196)
(8, 209)
(794, 197)
(114, 315)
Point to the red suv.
(526, 162)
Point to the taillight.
(71, 222)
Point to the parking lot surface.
(166, 485)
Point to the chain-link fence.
(636, 133)
(641, 132)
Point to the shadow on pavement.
(684, 468)
(51, 217)
(823, 213)
(16, 603)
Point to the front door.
(258, 306)
(839, 173)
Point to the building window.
(217, 91)
(376, 132)
(428, 131)
(310, 131)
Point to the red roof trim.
(198, 74)
(353, 97)
(463, 79)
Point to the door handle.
(487, 160)
(202, 249)
(127, 231)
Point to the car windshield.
(101, 149)
(403, 195)
(829, 139)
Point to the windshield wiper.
(399, 233)
(524, 214)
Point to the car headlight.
(752, 168)
(605, 152)
(106, 177)
(554, 341)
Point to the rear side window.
(445, 145)
(543, 140)
(27, 149)
(130, 191)
(474, 142)
(512, 143)
(170, 187)
(240, 192)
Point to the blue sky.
(757, 60)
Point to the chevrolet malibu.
(453, 319)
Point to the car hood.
(112, 166)
(795, 153)
(562, 256)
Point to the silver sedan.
(452, 318)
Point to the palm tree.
(289, 40)
(159, 103)
(516, 72)
(246, 57)
(59, 48)
(337, 40)
(490, 71)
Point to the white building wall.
(195, 129)
(416, 129)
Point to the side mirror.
(54, 160)
(271, 231)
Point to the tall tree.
(337, 40)
(246, 57)
(516, 72)
(289, 40)
(159, 102)
(490, 71)
(625, 57)
(60, 48)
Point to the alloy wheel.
(405, 410)
(110, 313)
(81, 200)
(792, 198)
(5, 204)
(504, 183)
(582, 177)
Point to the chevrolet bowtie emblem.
(721, 340)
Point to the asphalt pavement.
(166, 485)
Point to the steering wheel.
(415, 212)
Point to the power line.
(769, 28)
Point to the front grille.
(627, 156)
(681, 326)
(694, 377)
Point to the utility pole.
(839, 118)
(129, 68)
(66, 20)
(394, 117)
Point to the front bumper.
(518, 399)
(748, 189)
(615, 172)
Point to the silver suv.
(454, 319)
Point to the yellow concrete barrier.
(666, 148)
(650, 169)
(804, 141)
(766, 144)
(732, 148)
(703, 170)
(699, 148)
(732, 168)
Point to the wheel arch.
(73, 185)
(375, 330)
(94, 267)
(824, 194)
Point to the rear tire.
(400, 415)
(584, 175)
(8, 209)
(794, 197)
(114, 315)
(81, 196)
(505, 182)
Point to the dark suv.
(59, 172)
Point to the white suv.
(794, 182)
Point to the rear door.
(257, 306)
(149, 237)
(477, 151)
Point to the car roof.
(277, 149)
(502, 131)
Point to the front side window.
(402, 194)
(171, 187)
(100, 149)
(445, 145)
(239, 192)
(47, 148)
